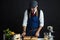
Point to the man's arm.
(41, 21)
(25, 22)
(41, 18)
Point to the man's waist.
(33, 29)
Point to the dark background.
(12, 11)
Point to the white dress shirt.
(41, 18)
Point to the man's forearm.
(39, 29)
(24, 28)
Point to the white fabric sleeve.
(25, 18)
(41, 18)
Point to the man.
(33, 21)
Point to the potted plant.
(8, 34)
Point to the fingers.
(23, 34)
(37, 34)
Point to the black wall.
(12, 11)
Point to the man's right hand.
(23, 34)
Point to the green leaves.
(7, 33)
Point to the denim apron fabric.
(33, 24)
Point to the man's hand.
(24, 31)
(37, 34)
(38, 31)
(23, 34)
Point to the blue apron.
(32, 26)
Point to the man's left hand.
(37, 34)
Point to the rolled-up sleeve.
(25, 18)
(41, 18)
